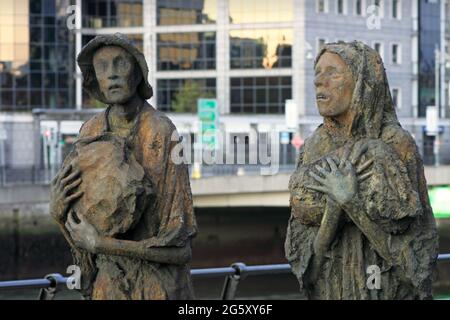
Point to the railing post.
(232, 281)
(55, 281)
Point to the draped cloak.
(394, 228)
(168, 221)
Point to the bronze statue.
(124, 207)
(359, 202)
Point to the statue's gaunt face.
(117, 73)
(334, 85)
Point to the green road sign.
(208, 126)
(207, 105)
(439, 199)
(208, 112)
(207, 116)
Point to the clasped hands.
(339, 178)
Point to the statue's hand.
(341, 176)
(354, 156)
(340, 183)
(83, 234)
(63, 191)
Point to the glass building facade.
(37, 51)
(251, 55)
(36, 56)
(112, 13)
(260, 94)
(186, 42)
(260, 11)
(247, 48)
(186, 12)
(256, 48)
(168, 89)
(186, 51)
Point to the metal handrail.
(27, 284)
(52, 283)
(240, 268)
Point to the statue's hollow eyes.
(330, 74)
(333, 74)
(103, 66)
(122, 64)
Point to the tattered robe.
(392, 227)
(168, 222)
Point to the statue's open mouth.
(114, 87)
(321, 97)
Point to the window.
(34, 55)
(341, 6)
(112, 13)
(396, 9)
(169, 12)
(137, 40)
(259, 94)
(322, 6)
(360, 7)
(396, 54)
(396, 98)
(378, 46)
(261, 48)
(186, 51)
(260, 11)
(167, 90)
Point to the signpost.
(208, 113)
(291, 115)
(432, 129)
(284, 138)
(432, 116)
(297, 141)
(208, 116)
(292, 124)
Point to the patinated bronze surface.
(123, 205)
(359, 199)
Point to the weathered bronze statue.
(122, 204)
(359, 202)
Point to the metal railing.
(238, 271)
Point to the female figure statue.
(123, 205)
(361, 225)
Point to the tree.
(186, 98)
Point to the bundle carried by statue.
(116, 190)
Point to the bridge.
(230, 188)
(267, 191)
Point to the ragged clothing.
(168, 221)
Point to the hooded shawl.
(395, 229)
